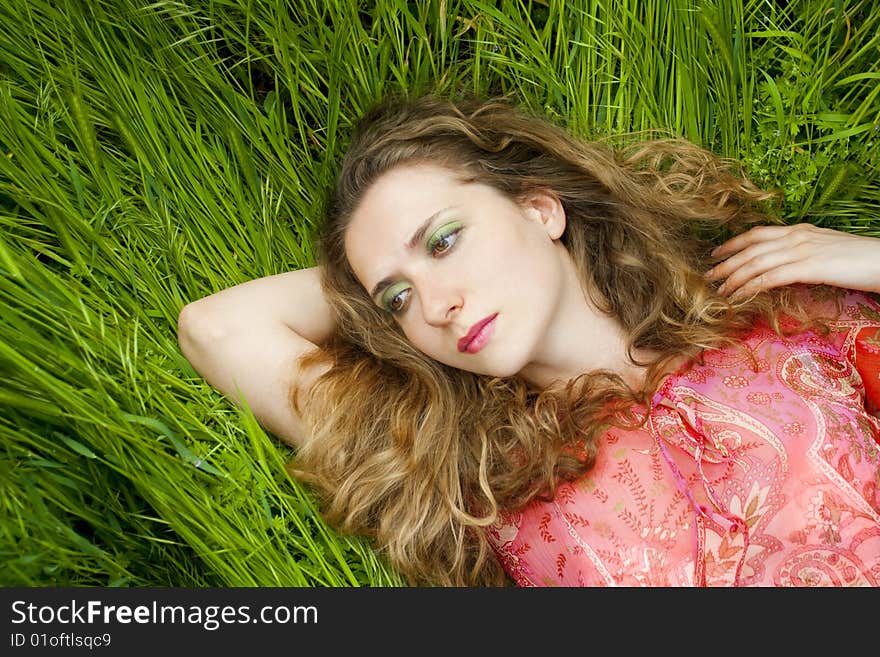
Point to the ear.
(546, 208)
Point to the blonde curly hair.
(419, 456)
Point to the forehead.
(391, 210)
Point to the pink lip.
(476, 337)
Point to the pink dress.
(763, 473)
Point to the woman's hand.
(772, 256)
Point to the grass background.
(153, 153)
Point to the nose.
(440, 302)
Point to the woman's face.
(446, 257)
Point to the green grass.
(153, 153)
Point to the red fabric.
(758, 471)
(867, 358)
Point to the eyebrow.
(417, 237)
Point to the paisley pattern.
(755, 467)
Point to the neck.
(580, 338)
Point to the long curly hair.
(420, 457)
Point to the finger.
(739, 259)
(784, 275)
(757, 267)
(748, 238)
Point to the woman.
(512, 363)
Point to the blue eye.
(444, 239)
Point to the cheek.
(431, 342)
(496, 258)
(419, 334)
(526, 264)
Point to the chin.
(507, 372)
(503, 370)
(499, 372)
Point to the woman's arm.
(772, 256)
(246, 340)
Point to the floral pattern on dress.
(755, 467)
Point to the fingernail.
(709, 273)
